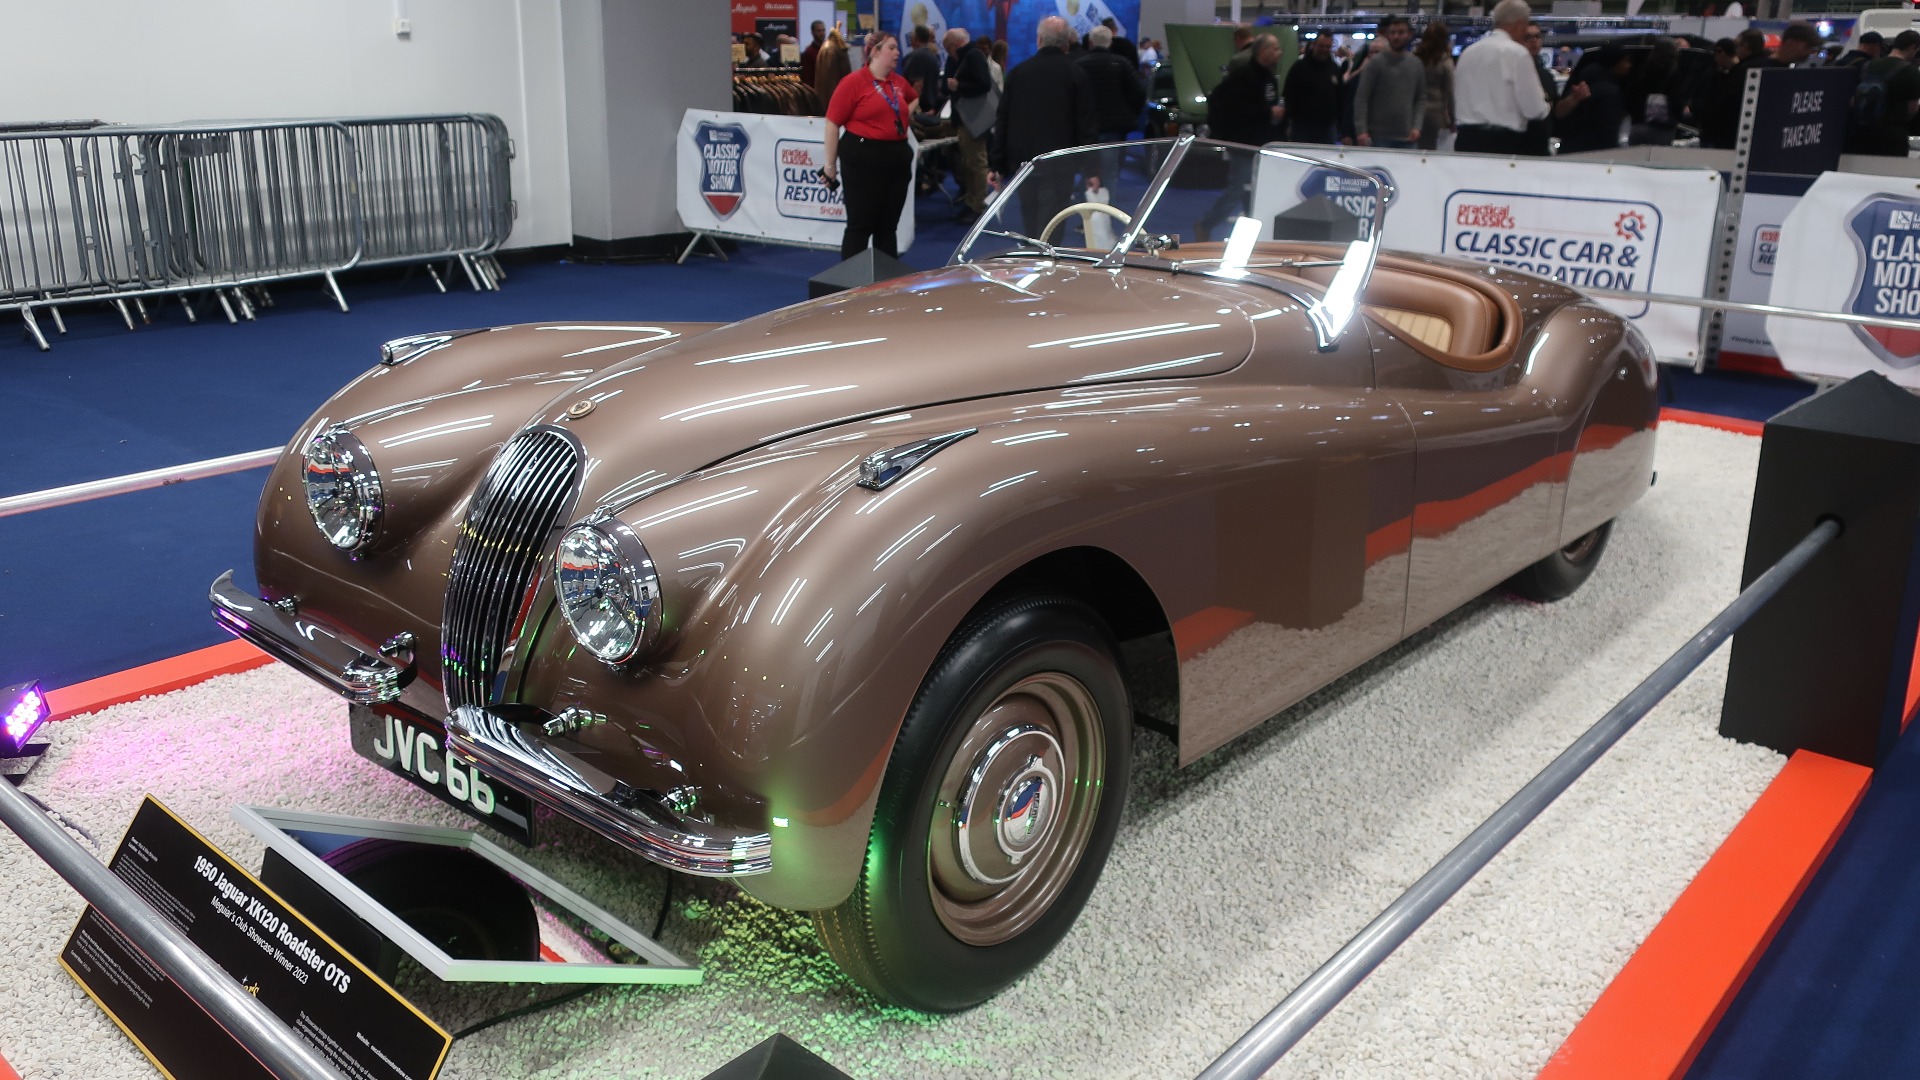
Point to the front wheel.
(1559, 574)
(1000, 804)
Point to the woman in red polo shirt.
(873, 105)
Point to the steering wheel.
(1085, 211)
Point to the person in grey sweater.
(1392, 98)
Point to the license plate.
(418, 752)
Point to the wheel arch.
(1124, 601)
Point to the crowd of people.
(1503, 94)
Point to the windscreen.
(1198, 206)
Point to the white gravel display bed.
(1230, 882)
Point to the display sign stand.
(325, 995)
(1793, 127)
(578, 941)
(701, 236)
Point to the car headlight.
(343, 489)
(608, 590)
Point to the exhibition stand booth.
(764, 695)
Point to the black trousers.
(1487, 139)
(877, 175)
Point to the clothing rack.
(776, 91)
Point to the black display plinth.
(1825, 665)
(865, 268)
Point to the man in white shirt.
(1495, 90)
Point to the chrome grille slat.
(526, 494)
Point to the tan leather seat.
(1451, 316)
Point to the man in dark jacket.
(1121, 47)
(1117, 98)
(970, 86)
(1590, 114)
(1722, 126)
(1313, 94)
(1244, 108)
(1046, 105)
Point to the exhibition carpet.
(1229, 882)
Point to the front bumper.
(495, 739)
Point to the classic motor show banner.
(758, 177)
(1851, 245)
(1651, 229)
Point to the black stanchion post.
(1825, 666)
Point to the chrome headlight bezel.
(332, 459)
(607, 589)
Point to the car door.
(1304, 550)
(1489, 481)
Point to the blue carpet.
(1838, 992)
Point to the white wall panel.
(144, 61)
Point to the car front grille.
(525, 496)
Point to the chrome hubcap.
(1582, 547)
(1008, 803)
(1016, 808)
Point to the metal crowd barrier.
(126, 213)
(436, 188)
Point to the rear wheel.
(998, 810)
(1559, 574)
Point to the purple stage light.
(24, 708)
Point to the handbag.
(977, 114)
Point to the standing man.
(1539, 141)
(1392, 96)
(1900, 94)
(1798, 42)
(1313, 94)
(970, 88)
(1047, 105)
(1121, 47)
(1722, 123)
(810, 56)
(921, 69)
(1867, 48)
(1117, 98)
(1495, 87)
(1591, 114)
(1245, 108)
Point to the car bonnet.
(962, 332)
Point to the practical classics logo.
(1585, 242)
(723, 151)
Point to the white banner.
(1852, 245)
(757, 176)
(1754, 258)
(1646, 230)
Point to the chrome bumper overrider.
(353, 672)
(494, 740)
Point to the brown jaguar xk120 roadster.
(857, 602)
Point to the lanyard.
(899, 123)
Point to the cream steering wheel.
(1085, 211)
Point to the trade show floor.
(1230, 881)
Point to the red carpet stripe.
(159, 677)
(1656, 1015)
